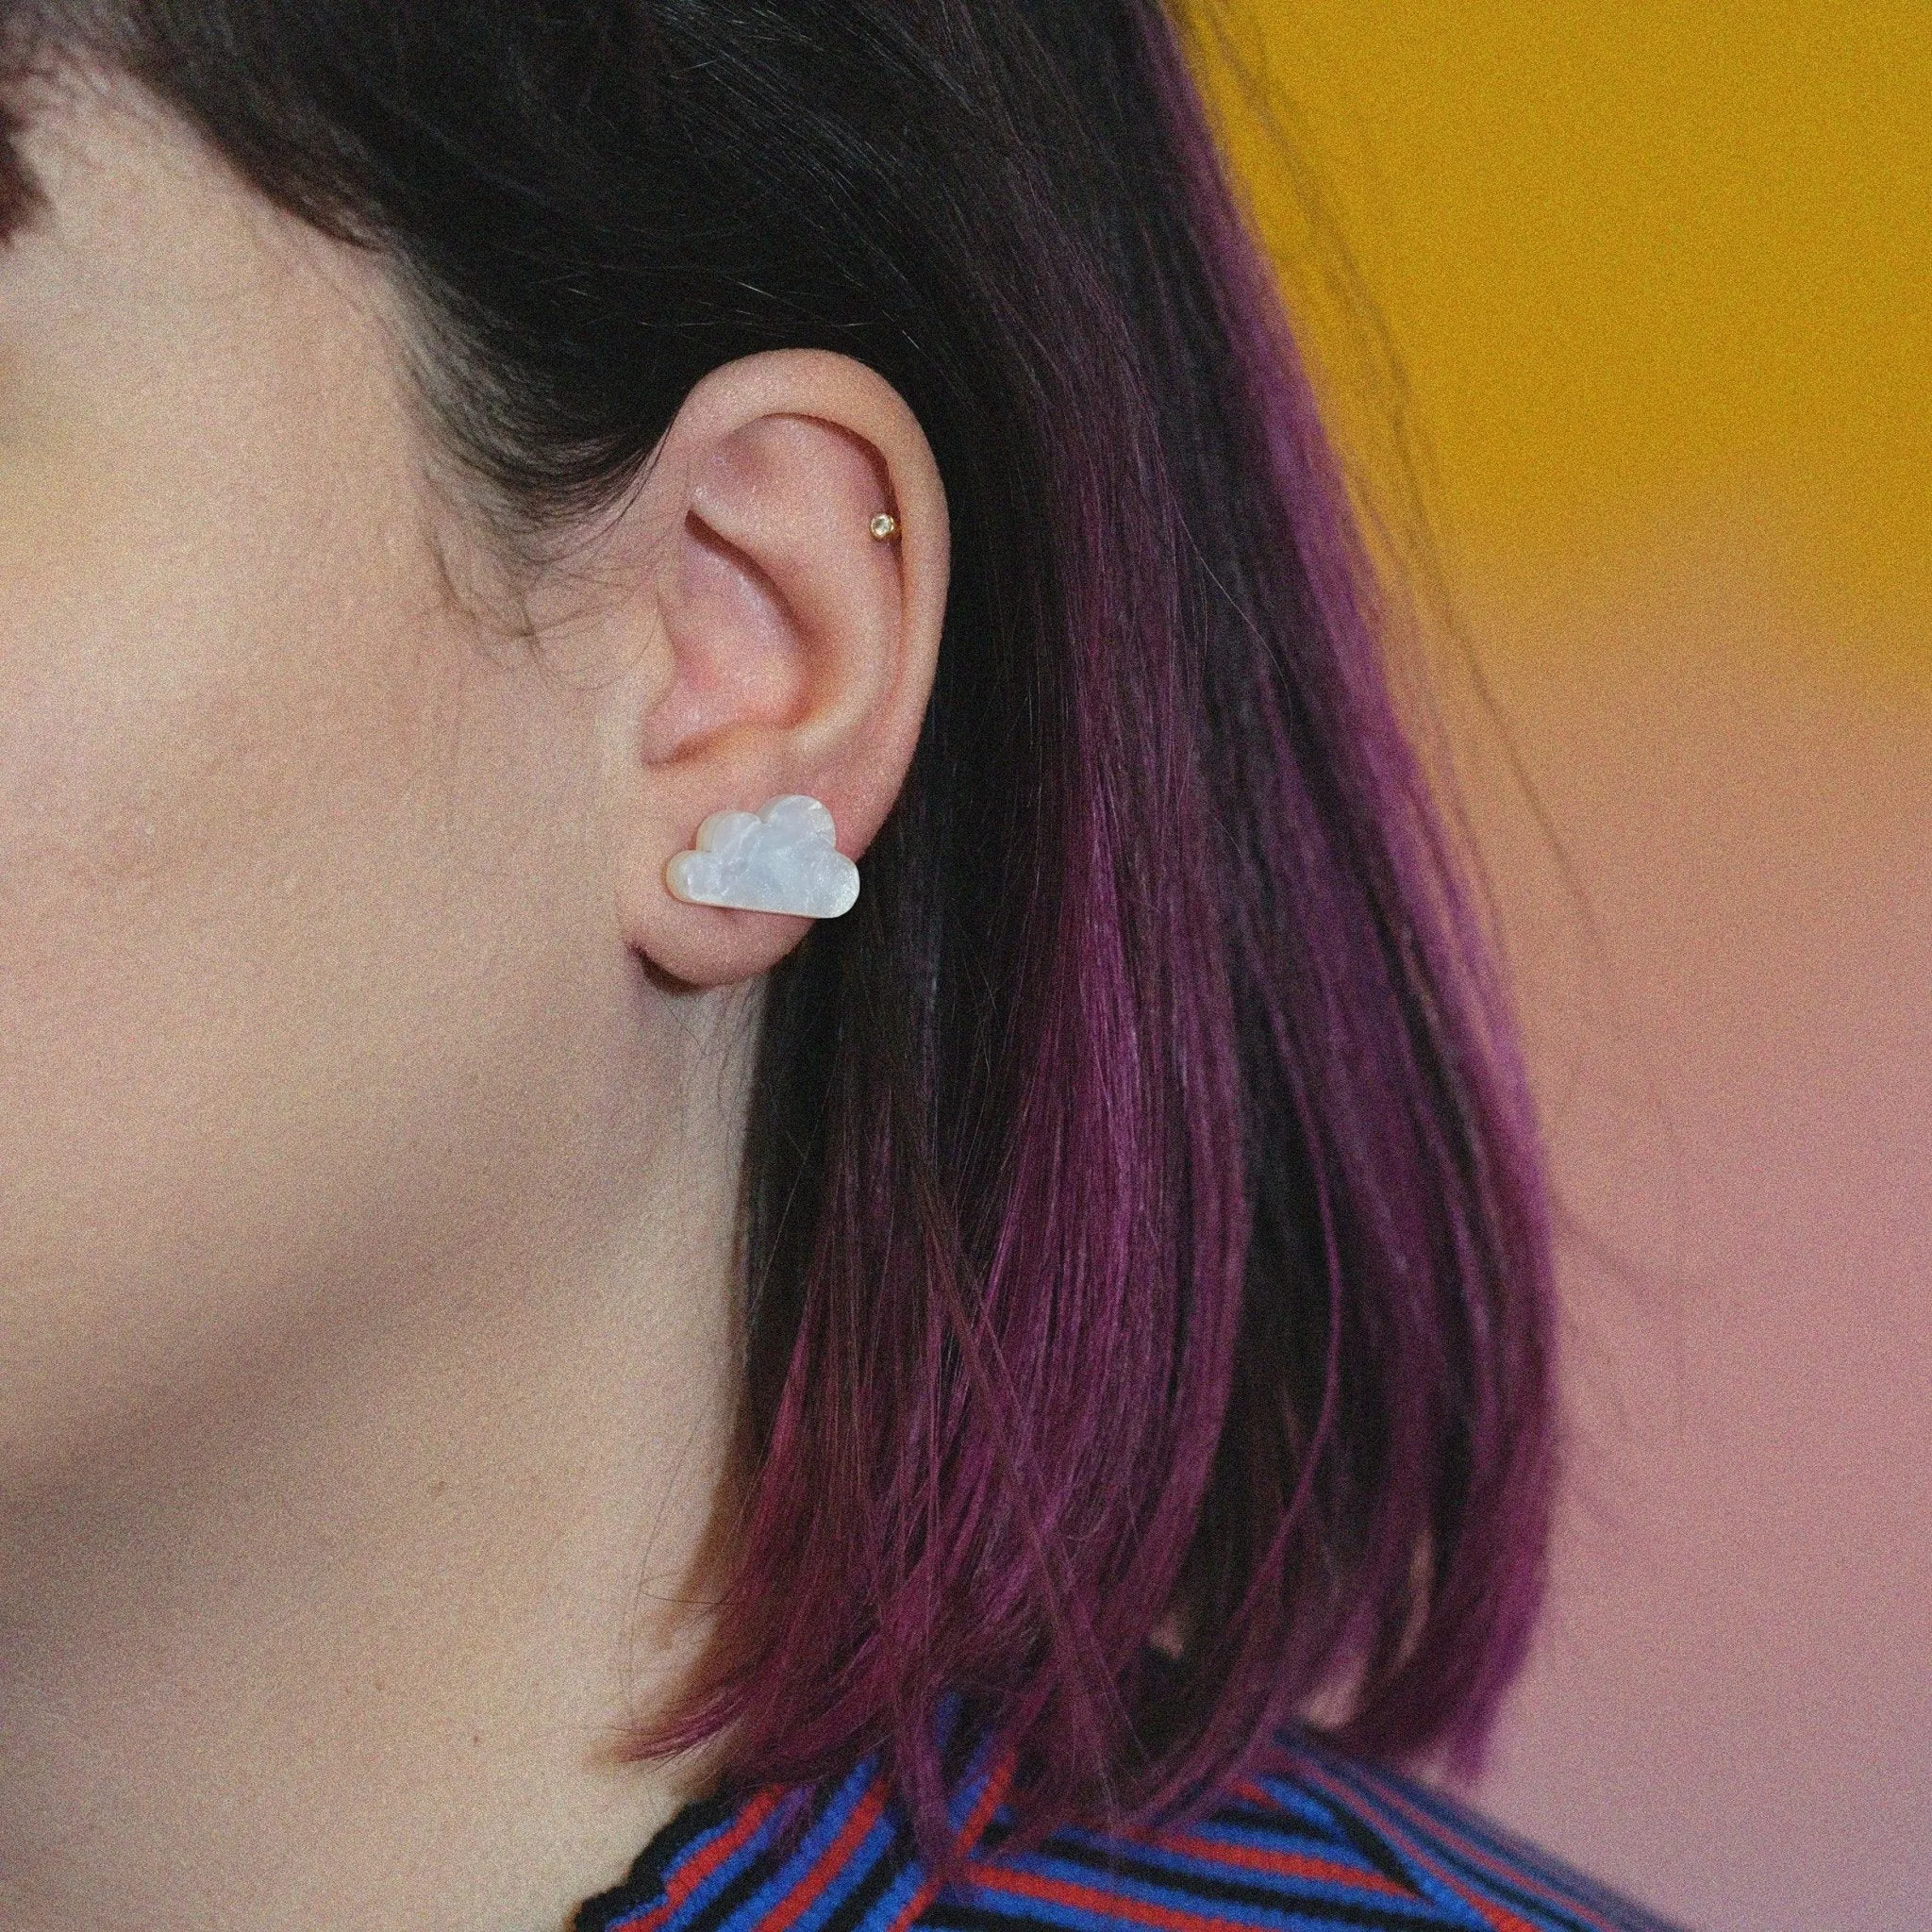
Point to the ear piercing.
(782, 859)
(885, 525)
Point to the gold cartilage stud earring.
(885, 525)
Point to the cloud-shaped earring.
(780, 860)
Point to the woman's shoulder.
(1316, 1840)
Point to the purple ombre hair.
(1143, 1230)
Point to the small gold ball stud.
(885, 525)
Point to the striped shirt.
(1317, 1841)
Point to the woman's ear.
(787, 637)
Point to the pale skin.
(370, 1110)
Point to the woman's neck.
(349, 1641)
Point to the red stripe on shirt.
(989, 1800)
(830, 1861)
(1477, 1854)
(1495, 1915)
(1106, 1905)
(1282, 1864)
(696, 1869)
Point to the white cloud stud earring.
(780, 860)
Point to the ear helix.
(782, 859)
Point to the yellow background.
(1640, 263)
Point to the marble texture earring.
(779, 859)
